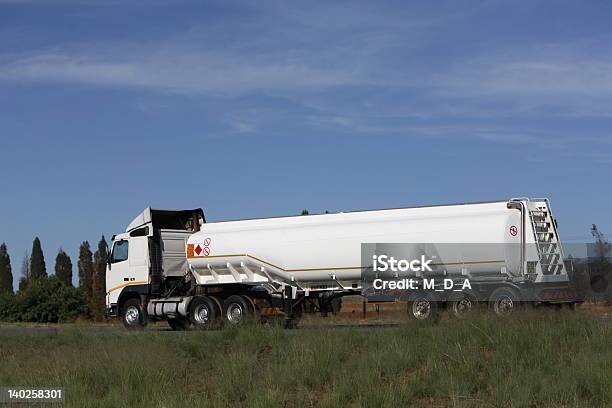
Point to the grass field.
(532, 360)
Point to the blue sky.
(254, 109)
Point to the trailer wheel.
(423, 308)
(236, 310)
(504, 301)
(132, 315)
(462, 305)
(202, 312)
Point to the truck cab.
(146, 258)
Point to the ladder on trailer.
(546, 237)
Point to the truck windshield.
(120, 251)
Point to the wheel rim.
(132, 315)
(421, 309)
(234, 313)
(462, 307)
(504, 306)
(202, 314)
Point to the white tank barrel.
(326, 249)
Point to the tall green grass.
(532, 360)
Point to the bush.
(8, 307)
(44, 300)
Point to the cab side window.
(120, 251)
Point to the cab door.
(117, 273)
(129, 265)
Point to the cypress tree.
(6, 273)
(85, 266)
(99, 280)
(63, 267)
(26, 276)
(38, 269)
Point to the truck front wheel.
(132, 315)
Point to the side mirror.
(108, 260)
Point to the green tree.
(38, 269)
(43, 301)
(86, 270)
(63, 267)
(26, 275)
(8, 307)
(99, 281)
(6, 273)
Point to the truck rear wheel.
(218, 307)
(251, 305)
(236, 310)
(202, 312)
(132, 315)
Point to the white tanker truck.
(173, 265)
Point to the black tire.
(203, 312)
(423, 307)
(251, 305)
(504, 302)
(133, 315)
(462, 305)
(179, 323)
(218, 308)
(236, 310)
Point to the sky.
(251, 109)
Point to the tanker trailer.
(174, 266)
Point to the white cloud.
(357, 72)
(538, 77)
(175, 72)
(279, 46)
